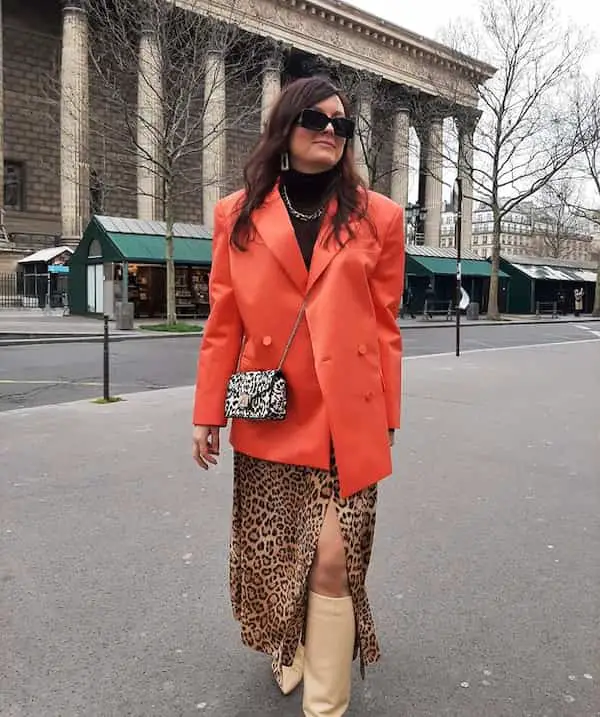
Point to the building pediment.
(356, 39)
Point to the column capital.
(366, 86)
(425, 125)
(74, 5)
(273, 58)
(402, 108)
(466, 120)
(147, 25)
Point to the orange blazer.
(344, 366)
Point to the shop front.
(548, 285)
(121, 260)
(43, 277)
(147, 289)
(431, 271)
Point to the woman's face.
(317, 151)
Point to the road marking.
(589, 329)
(509, 348)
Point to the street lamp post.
(457, 200)
(415, 214)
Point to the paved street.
(485, 576)
(42, 374)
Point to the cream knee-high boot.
(328, 653)
(288, 678)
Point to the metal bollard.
(105, 373)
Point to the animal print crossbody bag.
(261, 395)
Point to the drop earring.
(285, 162)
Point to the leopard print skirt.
(278, 512)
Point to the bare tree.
(156, 69)
(523, 139)
(586, 103)
(555, 229)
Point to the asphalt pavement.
(41, 374)
(484, 581)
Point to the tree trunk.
(169, 256)
(493, 312)
(596, 309)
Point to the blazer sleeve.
(222, 338)
(387, 285)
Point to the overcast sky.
(427, 17)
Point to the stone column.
(2, 231)
(362, 137)
(214, 126)
(150, 127)
(271, 85)
(430, 180)
(400, 157)
(74, 121)
(466, 129)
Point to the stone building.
(57, 170)
(527, 230)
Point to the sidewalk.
(483, 584)
(26, 326)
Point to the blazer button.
(369, 396)
(362, 349)
(267, 340)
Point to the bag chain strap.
(292, 335)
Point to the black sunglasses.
(317, 121)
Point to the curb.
(38, 340)
(17, 335)
(469, 323)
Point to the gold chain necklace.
(297, 214)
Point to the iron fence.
(11, 290)
(20, 290)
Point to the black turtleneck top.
(307, 193)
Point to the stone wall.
(188, 180)
(31, 109)
(243, 99)
(382, 155)
(112, 150)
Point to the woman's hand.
(205, 445)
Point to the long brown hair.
(264, 165)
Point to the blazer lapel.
(273, 224)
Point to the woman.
(578, 301)
(305, 230)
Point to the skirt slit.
(278, 514)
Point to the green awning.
(445, 266)
(151, 249)
(117, 239)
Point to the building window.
(95, 250)
(14, 186)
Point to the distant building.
(526, 231)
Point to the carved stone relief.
(321, 32)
